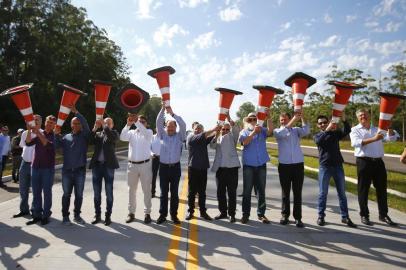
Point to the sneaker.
(263, 219)
(79, 220)
(388, 221)
(321, 221)
(130, 218)
(161, 219)
(147, 219)
(365, 220)
(66, 221)
(349, 222)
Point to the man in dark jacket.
(331, 165)
(103, 164)
(16, 151)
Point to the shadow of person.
(14, 237)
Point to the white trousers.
(143, 173)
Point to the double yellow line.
(192, 261)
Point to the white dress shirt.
(139, 147)
(7, 146)
(28, 151)
(155, 145)
(372, 150)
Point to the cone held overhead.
(101, 95)
(69, 98)
(21, 98)
(299, 82)
(265, 98)
(342, 93)
(225, 101)
(389, 104)
(131, 98)
(162, 77)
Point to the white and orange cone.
(21, 97)
(266, 95)
(226, 99)
(101, 96)
(162, 77)
(343, 92)
(69, 97)
(389, 104)
(299, 82)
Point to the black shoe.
(366, 221)
(175, 219)
(263, 219)
(96, 219)
(321, 221)
(130, 218)
(388, 221)
(205, 216)
(349, 222)
(299, 223)
(107, 220)
(245, 219)
(147, 219)
(221, 216)
(21, 214)
(284, 221)
(33, 221)
(161, 219)
(189, 216)
(44, 221)
(232, 219)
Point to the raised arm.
(182, 126)
(83, 122)
(160, 123)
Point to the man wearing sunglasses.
(254, 159)
(331, 165)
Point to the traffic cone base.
(299, 82)
(162, 77)
(225, 101)
(101, 96)
(131, 98)
(389, 104)
(265, 98)
(21, 98)
(69, 97)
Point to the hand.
(72, 107)
(297, 115)
(232, 123)
(378, 136)
(169, 110)
(268, 113)
(28, 127)
(331, 126)
(217, 128)
(257, 129)
(391, 132)
(343, 116)
(132, 118)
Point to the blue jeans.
(42, 181)
(325, 174)
(254, 176)
(73, 178)
(25, 183)
(99, 172)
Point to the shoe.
(44, 221)
(299, 223)
(79, 220)
(284, 221)
(189, 216)
(33, 221)
(349, 222)
(147, 219)
(21, 214)
(161, 219)
(263, 219)
(107, 220)
(175, 219)
(96, 219)
(245, 219)
(232, 219)
(221, 216)
(205, 216)
(130, 218)
(322, 222)
(366, 221)
(66, 221)
(388, 221)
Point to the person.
(198, 163)
(43, 170)
(403, 156)
(74, 150)
(155, 151)
(5, 153)
(103, 163)
(225, 165)
(139, 163)
(170, 171)
(16, 151)
(331, 165)
(2, 141)
(368, 150)
(291, 164)
(25, 169)
(254, 159)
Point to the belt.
(169, 165)
(370, 159)
(138, 162)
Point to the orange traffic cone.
(226, 98)
(101, 96)
(343, 92)
(387, 108)
(266, 95)
(70, 97)
(21, 97)
(162, 77)
(131, 98)
(299, 82)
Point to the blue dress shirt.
(255, 153)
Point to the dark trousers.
(4, 162)
(155, 169)
(253, 177)
(169, 176)
(100, 171)
(372, 171)
(197, 185)
(15, 173)
(227, 182)
(73, 179)
(291, 176)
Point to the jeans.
(73, 178)
(253, 176)
(169, 175)
(16, 167)
(197, 185)
(325, 174)
(291, 176)
(42, 181)
(227, 182)
(24, 186)
(99, 172)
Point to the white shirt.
(155, 145)
(28, 151)
(6, 146)
(139, 147)
(372, 150)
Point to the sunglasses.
(251, 119)
(322, 123)
(225, 129)
(142, 121)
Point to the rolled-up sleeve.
(125, 134)
(356, 139)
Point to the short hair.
(50, 118)
(37, 115)
(285, 114)
(170, 120)
(322, 117)
(199, 126)
(194, 123)
(142, 117)
(361, 110)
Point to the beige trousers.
(139, 173)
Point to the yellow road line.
(192, 256)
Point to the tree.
(243, 111)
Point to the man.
(155, 152)
(225, 166)
(331, 165)
(16, 151)
(368, 150)
(254, 159)
(74, 150)
(170, 171)
(2, 141)
(291, 164)
(5, 153)
(103, 164)
(43, 170)
(139, 163)
(25, 169)
(198, 163)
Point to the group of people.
(149, 153)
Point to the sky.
(239, 43)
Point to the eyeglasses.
(225, 129)
(252, 119)
(322, 123)
(142, 121)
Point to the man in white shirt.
(139, 163)
(5, 151)
(155, 151)
(368, 150)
